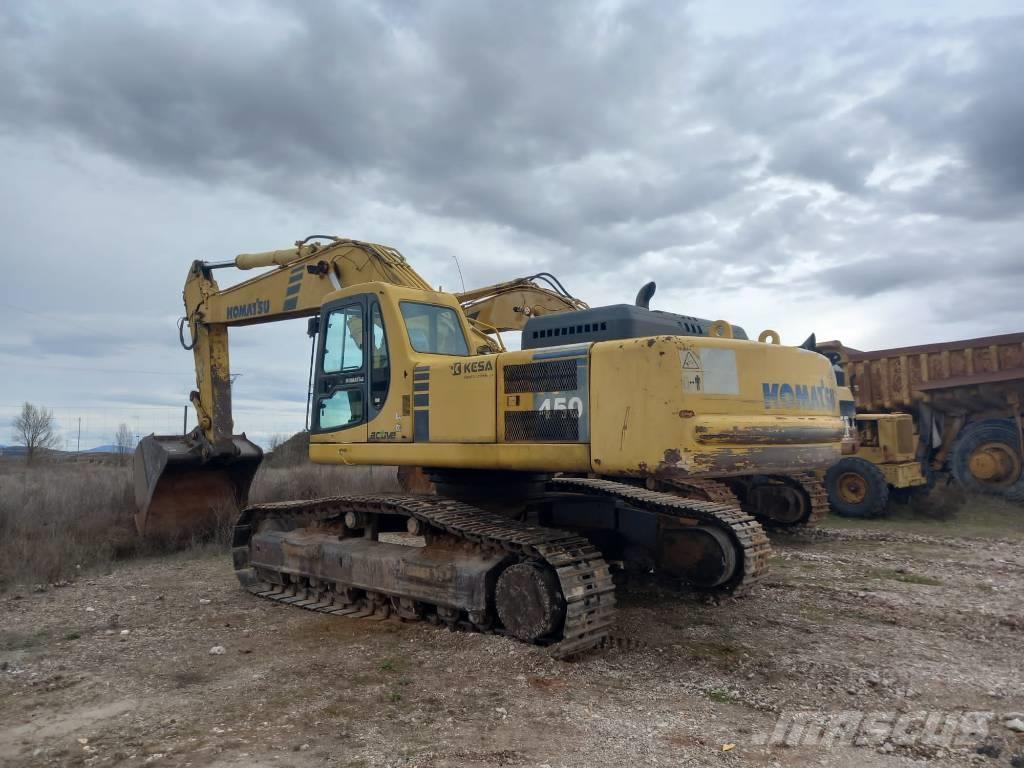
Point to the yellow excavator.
(618, 439)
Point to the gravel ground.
(879, 622)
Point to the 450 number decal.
(562, 404)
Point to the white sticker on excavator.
(710, 371)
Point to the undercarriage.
(776, 501)
(540, 571)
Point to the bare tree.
(276, 441)
(124, 442)
(35, 429)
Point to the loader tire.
(857, 488)
(987, 458)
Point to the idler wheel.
(703, 556)
(529, 601)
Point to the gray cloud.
(829, 159)
(598, 127)
(541, 116)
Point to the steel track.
(583, 575)
(816, 494)
(703, 489)
(747, 534)
(717, 490)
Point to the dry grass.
(311, 481)
(58, 519)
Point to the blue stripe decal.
(293, 289)
(561, 352)
(291, 303)
(421, 426)
(420, 401)
(297, 269)
(296, 277)
(421, 386)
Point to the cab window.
(380, 365)
(433, 329)
(343, 408)
(343, 340)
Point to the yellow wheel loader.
(618, 439)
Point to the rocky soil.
(117, 669)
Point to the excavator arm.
(507, 306)
(177, 478)
(305, 274)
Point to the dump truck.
(614, 441)
(952, 407)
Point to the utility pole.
(79, 448)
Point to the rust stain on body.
(770, 435)
(764, 460)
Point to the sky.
(852, 169)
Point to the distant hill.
(19, 450)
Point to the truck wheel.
(987, 459)
(857, 488)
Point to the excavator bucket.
(181, 494)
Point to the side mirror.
(313, 326)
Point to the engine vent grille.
(543, 426)
(548, 376)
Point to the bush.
(55, 518)
(312, 481)
(292, 452)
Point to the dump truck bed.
(968, 376)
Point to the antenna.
(460, 272)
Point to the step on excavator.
(617, 440)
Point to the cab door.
(342, 385)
